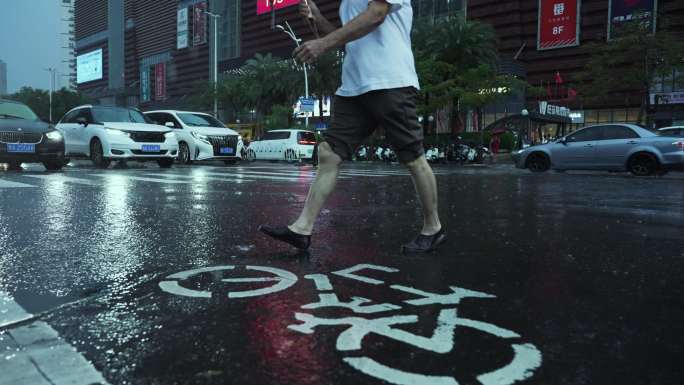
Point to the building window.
(229, 28)
(437, 8)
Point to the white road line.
(200, 178)
(293, 174)
(68, 179)
(153, 180)
(35, 354)
(9, 184)
(252, 176)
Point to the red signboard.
(264, 6)
(558, 24)
(160, 81)
(199, 23)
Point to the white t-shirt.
(382, 59)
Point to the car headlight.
(200, 136)
(113, 131)
(54, 135)
(170, 135)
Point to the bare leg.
(322, 187)
(426, 187)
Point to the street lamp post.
(215, 17)
(289, 32)
(52, 87)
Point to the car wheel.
(165, 163)
(97, 154)
(643, 164)
(251, 155)
(54, 165)
(229, 162)
(538, 162)
(184, 153)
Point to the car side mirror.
(82, 121)
(170, 125)
(563, 141)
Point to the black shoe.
(284, 234)
(425, 243)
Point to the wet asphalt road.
(546, 279)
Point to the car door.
(68, 127)
(616, 142)
(281, 144)
(83, 133)
(577, 150)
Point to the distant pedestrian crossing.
(187, 176)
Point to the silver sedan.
(610, 147)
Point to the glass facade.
(229, 28)
(437, 8)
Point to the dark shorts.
(355, 118)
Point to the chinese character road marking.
(441, 299)
(349, 273)
(284, 280)
(321, 281)
(375, 369)
(356, 305)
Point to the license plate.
(151, 148)
(21, 148)
(227, 150)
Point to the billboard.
(89, 67)
(145, 84)
(182, 29)
(199, 24)
(160, 81)
(622, 11)
(558, 24)
(264, 6)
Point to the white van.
(289, 145)
(200, 136)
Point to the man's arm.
(357, 28)
(309, 9)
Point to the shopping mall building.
(156, 53)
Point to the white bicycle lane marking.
(526, 357)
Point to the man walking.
(379, 88)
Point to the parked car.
(106, 134)
(200, 136)
(611, 147)
(24, 138)
(289, 145)
(677, 131)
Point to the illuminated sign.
(89, 67)
(264, 6)
(559, 25)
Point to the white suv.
(105, 134)
(290, 145)
(200, 136)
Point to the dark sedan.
(24, 138)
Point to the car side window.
(70, 117)
(585, 135)
(82, 113)
(170, 118)
(270, 136)
(619, 132)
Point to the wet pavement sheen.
(545, 279)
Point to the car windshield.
(9, 110)
(118, 115)
(200, 120)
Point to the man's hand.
(308, 9)
(310, 51)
